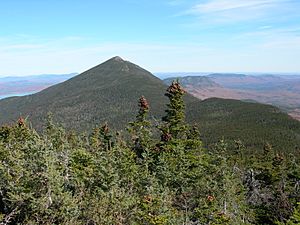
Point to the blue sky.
(62, 36)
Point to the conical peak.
(116, 68)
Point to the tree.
(269, 191)
(174, 123)
(102, 138)
(140, 129)
(223, 200)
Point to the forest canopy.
(148, 174)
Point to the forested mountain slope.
(109, 92)
(253, 123)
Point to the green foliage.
(272, 189)
(102, 138)
(140, 129)
(174, 118)
(295, 218)
(60, 177)
(225, 201)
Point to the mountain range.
(109, 93)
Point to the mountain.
(110, 91)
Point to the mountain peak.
(118, 59)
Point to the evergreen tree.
(140, 129)
(174, 124)
(102, 138)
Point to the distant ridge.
(195, 81)
(282, 91)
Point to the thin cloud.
(266, 27)
(228, 5)
(233, 11)
(270, 32)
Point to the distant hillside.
(179, 74)
(204, 87)
(109, 92)
(281, 91)
(193, 81)
(250, 82)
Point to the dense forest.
(150, 173)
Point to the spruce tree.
(174, 120)
(101, 137)
(140, 129)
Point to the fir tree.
(102, 138)
(173, 129)
(174, 121)
(140, 129)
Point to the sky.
(64, 36)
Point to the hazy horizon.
(183, 73)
